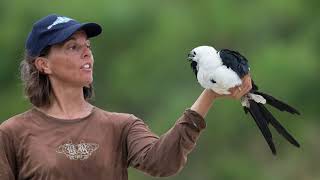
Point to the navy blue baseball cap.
(54, 29)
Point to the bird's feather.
(277, 103)
(194, 67)
(276, 124)
(235, 61)
(262, 124)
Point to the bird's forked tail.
(254, 103)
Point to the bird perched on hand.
(222, 70)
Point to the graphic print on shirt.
(81, 151)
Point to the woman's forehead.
(77, 36)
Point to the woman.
(63, 136)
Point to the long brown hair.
(37, 86)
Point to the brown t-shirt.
(101, 146)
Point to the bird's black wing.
(235, 61)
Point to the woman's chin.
(87, 83)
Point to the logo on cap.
(59, 20)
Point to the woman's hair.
(37, 86)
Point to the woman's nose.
(86, 52)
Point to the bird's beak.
(190, 56)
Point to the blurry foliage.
(141, 68)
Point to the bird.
(222, 70)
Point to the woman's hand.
(238, 91)
(204, 101)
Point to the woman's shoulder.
(16, 122)
(120, 117)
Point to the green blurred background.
(141, 68)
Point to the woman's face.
(72, 62)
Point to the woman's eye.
(73, 47)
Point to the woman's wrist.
(204, 102)
(211, 94)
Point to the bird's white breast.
(224, 77)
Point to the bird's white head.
(205, 56)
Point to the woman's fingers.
(239, 91)
(234, 91)
(246, 86)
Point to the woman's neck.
(67, 103)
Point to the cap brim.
(91, 29)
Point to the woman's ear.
(41, 64)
